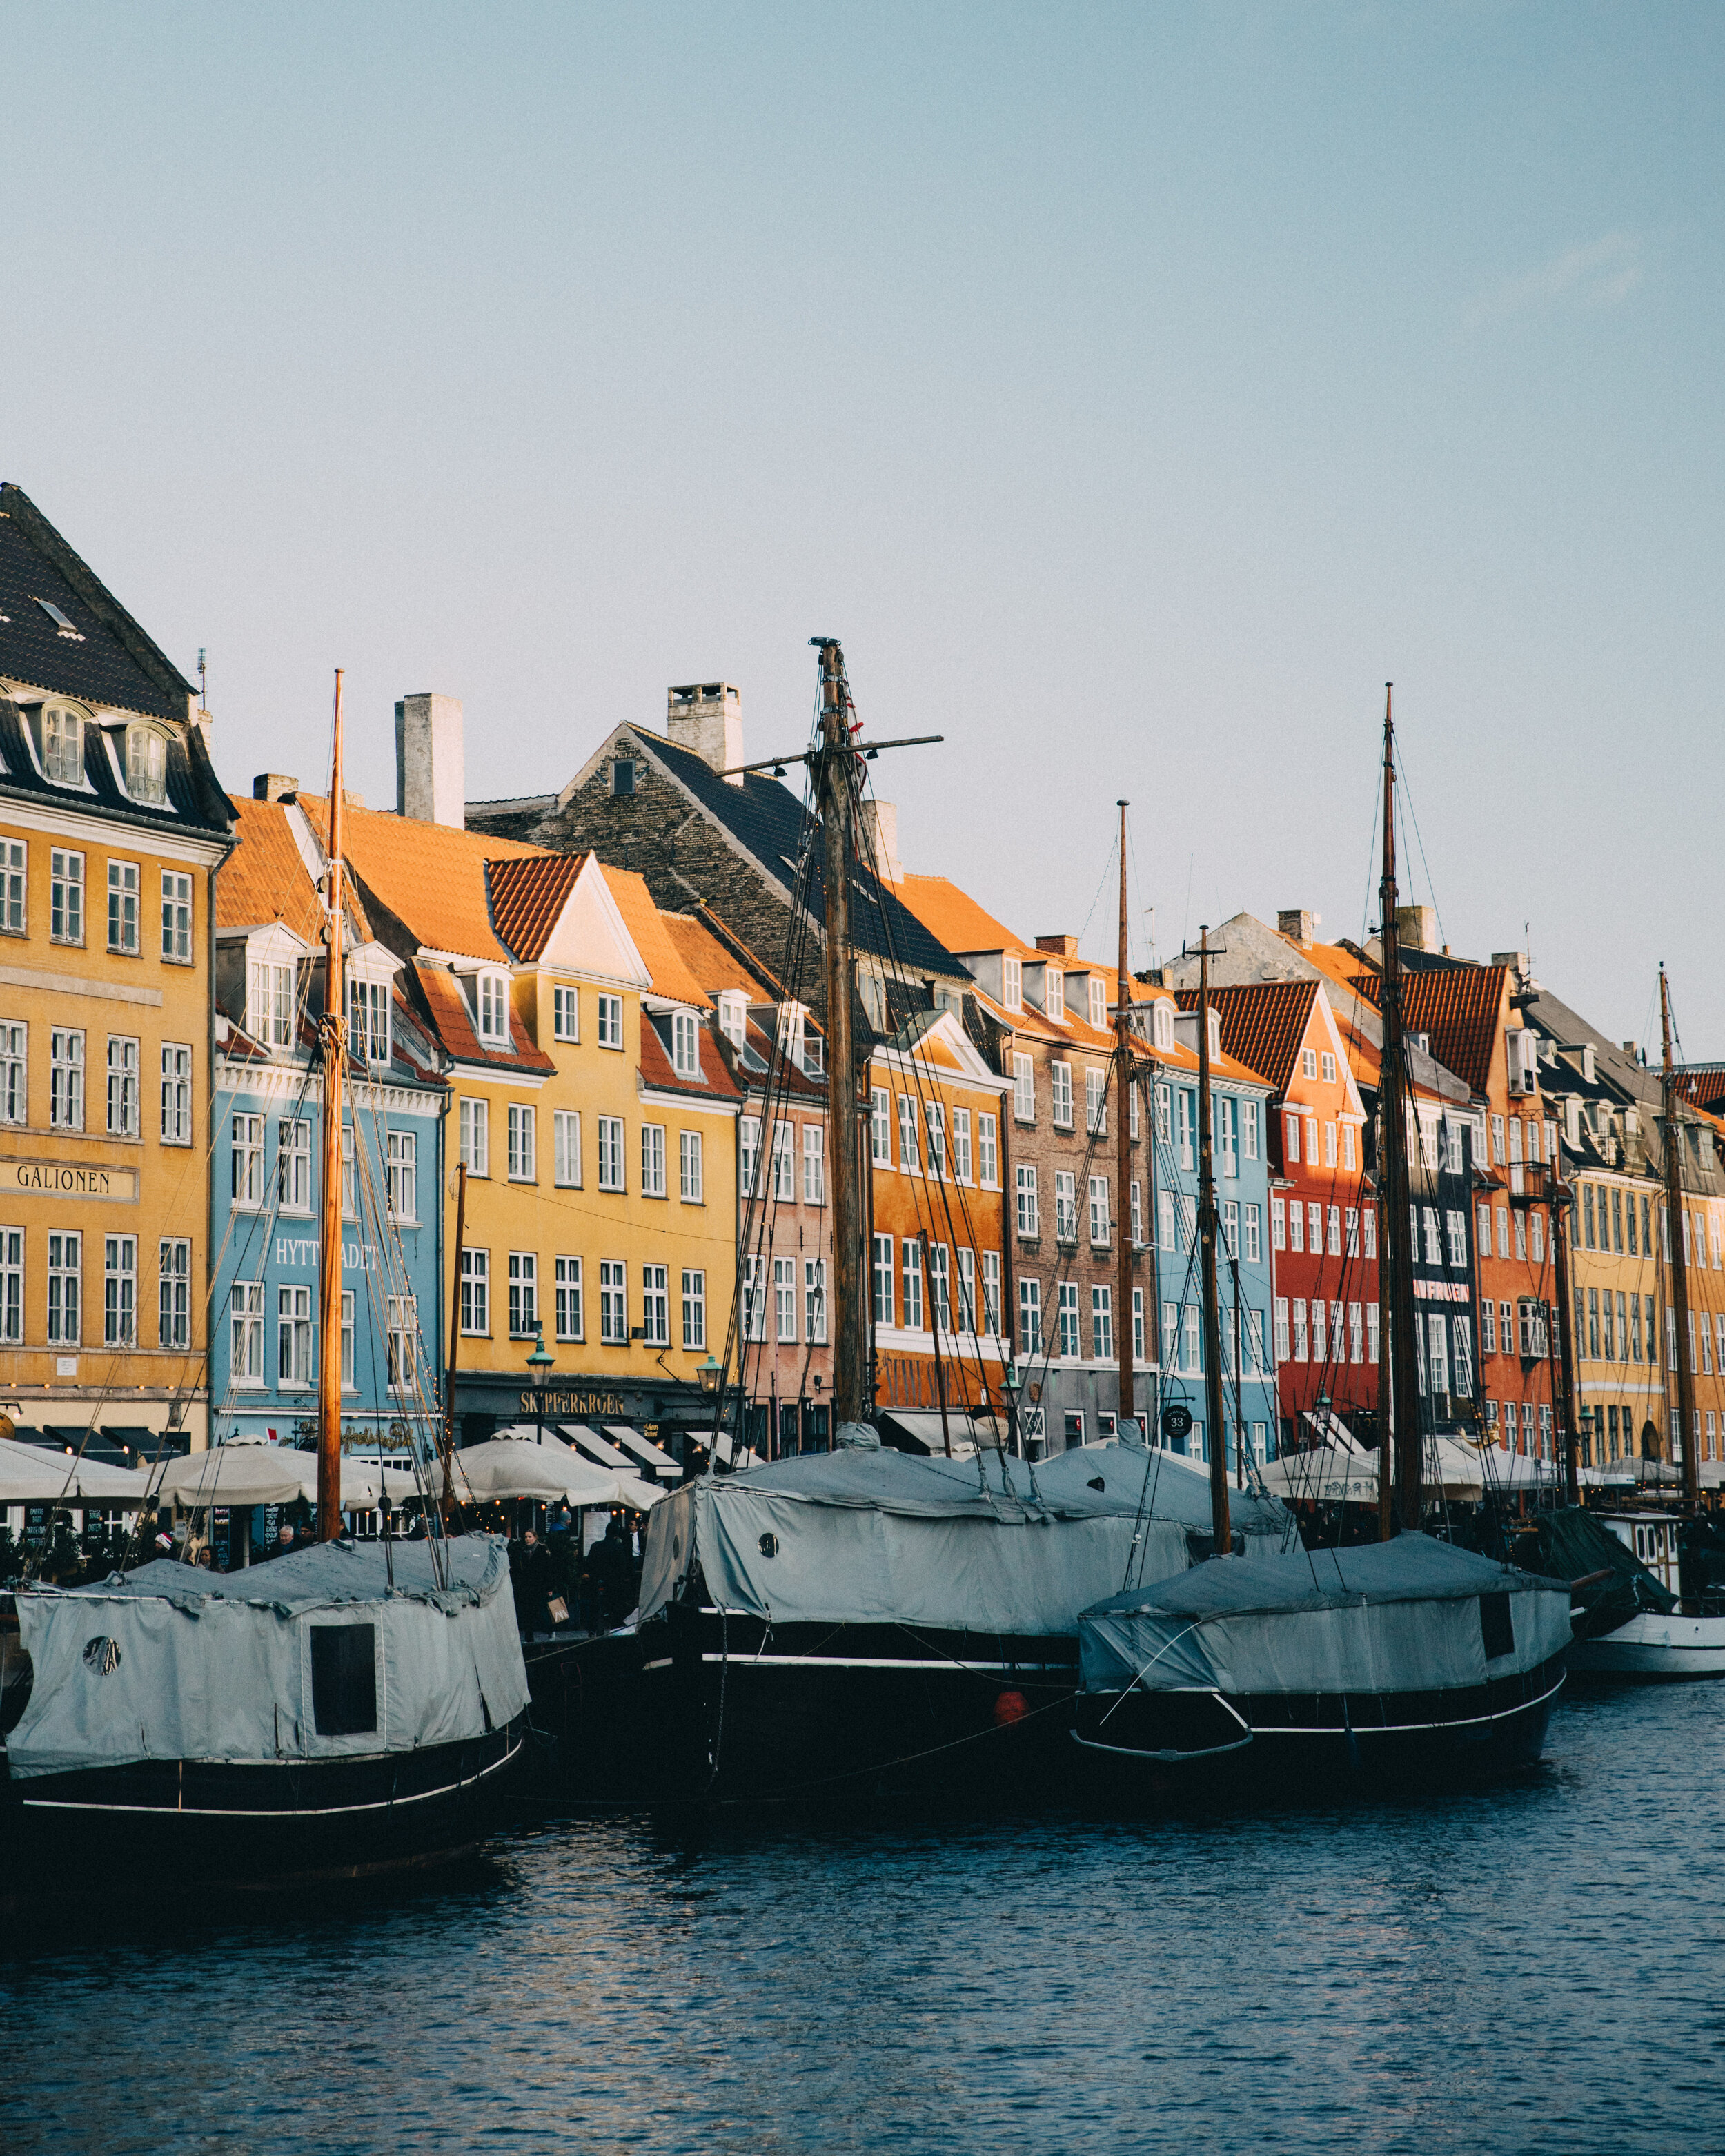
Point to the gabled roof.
(266, 877)
(1263, 1024)
(446, 1006)
(672, 976)
(717, 957)
(528, 893)
(955, 918)
(109, 660)
(1459, 1007)
(658, 1073)
(431, 877)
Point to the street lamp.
(708, 1374)
(1585, 1418)
(542, 1365)
(1013, 1384)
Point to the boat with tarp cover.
(1400, 1658)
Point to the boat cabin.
(1653, 1537)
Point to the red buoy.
(1009, 1707)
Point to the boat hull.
(1158, 1742)
(1652, 1649)
(263, 1826)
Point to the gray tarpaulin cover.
(193, 1665)
(1397, 1616)
(862, 1537)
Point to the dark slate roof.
(195, 797)
(111, 661)
(767, 818)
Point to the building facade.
(112, 830)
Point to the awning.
(37, 1474)
(596, 1447)
(921, 1428)
(649, 1455)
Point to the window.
(1194, 1358)
(368, 1021)
(12, 1284)
(961, 1144)
(401, 1175)
(1101, 1324)
(65, 898)
(815, 1164)
(1054, 992)
(1437, 1353)
(1332, 1218)
(694, 1309)
(814, 1301)
(1066, 1206)
(610, 1021)
(1373, 1338)
(401, 1336)
(1136, 1200)
(1329, 1145)
(1024, 1090)
(610, 1131)
(1067, 1321)
(566, 1303)
(1137, 1325)
(1098, 1004)
(475, 1291)
(966, 1290)
(748, 1152)
(1253, 1236)
(690, 1174)
(566, 1148)
(880, 1127)
(940, 1286)
(245, 1318)
(293, 1336)
(293, 1166)
(147, 767)
(175, 1092)
(65, 1095)
(936, 1117)
(784, 1300)
(1029, 1223)
(1132, 1101)
(1456, 1223)
(1433, 1237)
(1029, 1317)
(1308, 1062)
(14, 857)
(491, 1008)
(1230, 1227)
(623, 775)
(1296, 1225)
(988, 1152)
(1013, 969)
(1188, 1223)
(1060, 1080)
(523, 1294)
(655, 1306)
(685, 1044)
(247, 1160)
(1320, 1338)
(1165, 1218)
(269, 1004)
(1096, 1102)
(784, 1162)
(912, 1255)
(1187, 1120)
(613, 1303)
(66, 1273)
(62, 746)
(565, 1014)
(1249, 1112)
(347, 1342)
(1497, 1158)
(120, 1290)
(1291, 1145)
(122, 1086)
(1228, 1134)
(653, 1160)
(475, 1137)
(1278, 1225)
(1164, 1103)
(882, 1275)
(123, 907)
(909, 1156)
(991, 1293)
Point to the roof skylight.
(63, 623)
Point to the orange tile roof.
(429, 875)
(665, 961)
(709, 962)
(658, 1071)
(527, 897)
(454, 1024)
(1460, 1007)
(954, 917)
(264, 879)
(1263, 1023)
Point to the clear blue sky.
(1134, 390)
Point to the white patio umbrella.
(252, 1471)
(33, 1475)
(552, 1473)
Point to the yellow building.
(1618, 1295)
(111, 827)
(592, 1110)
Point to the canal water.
(1540, 1967)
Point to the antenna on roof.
(203, 681)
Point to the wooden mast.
(1558, 1212)
(334, 1043)
(1675, 1223)
(1125, 1344)
(1216, 1426)
(835, 793)
(446, 1449)
(1400, 1497)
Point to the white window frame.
(523, 1129)
(608, 1026)
(611, 1134)
(124, 893)
(565, 1011)
(691, 1168)
(65, 897)
(565, 1148)
(473, 1135)
(568, 1316)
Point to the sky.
(1134, 391)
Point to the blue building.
(1240, 1154)
(265, 1181)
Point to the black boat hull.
(1159, 1744)
(265, 1826)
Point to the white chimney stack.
(430, 766)
(706, 718)
(880, 825)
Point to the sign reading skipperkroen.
(69, 1178)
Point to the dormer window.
(685, 1044)
(814, 1054)
(146, 765)
(368, 1021)
(1098, 1003)
(1162, 1025)
(269, 1004)
(491, 1008)
(63, 745)
(733, 1010)
(1054, 995)
(1014, 984)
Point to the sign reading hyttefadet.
(68, 1178)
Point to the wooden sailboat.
(1406, 1657)
(353, 1709)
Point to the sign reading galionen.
(69, 1178)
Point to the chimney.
(881, 828)
(1063, 946)
(706, 718)
(430, 770)
(1298, 925)
(273, 786)
(1416, 927)
(1587, 1062)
